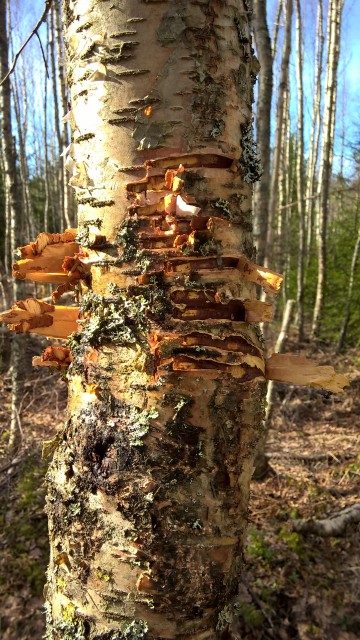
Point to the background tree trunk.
(334, 32)
(262, 467)
(300, 175)
(283, 85)
(12, 206)
(263, 126)
(345, 323)
(311, 181)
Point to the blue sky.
(348, 103)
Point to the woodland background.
(307, 226)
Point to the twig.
(34, 32)
(13, 463)
(259, 604)
(43, 54)
(19, 425)
(315, 457)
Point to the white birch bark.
(325, 172)
(263, 126)
(300, 173)
(284, 73)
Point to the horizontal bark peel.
(293, 369)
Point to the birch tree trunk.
(61, 177)
(311, 182)
(20, 100)
(262, 467)
(148, 487)
(334, 32)
(263, 126)
(282, 239)
(275, 36)
(56, 23)
(13, 212)
(284, 73)
(300, 174)
(345, 323)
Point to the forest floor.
(294, 585)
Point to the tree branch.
(335, 525)
(34, 32)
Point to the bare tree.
(333, 52)
(263, 125)
(283, 83)
(300, 173)
(311, 182)
(13, 208)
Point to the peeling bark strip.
(36, 316)
(286, 367)
(58, 357)
(54, 258)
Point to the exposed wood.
(267, 279)
(299, 370)
(45, 239)
(53, 258)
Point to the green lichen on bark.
(75, 628)
(83, 234)
(249, 164)
(123, 318)
(127, 241)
